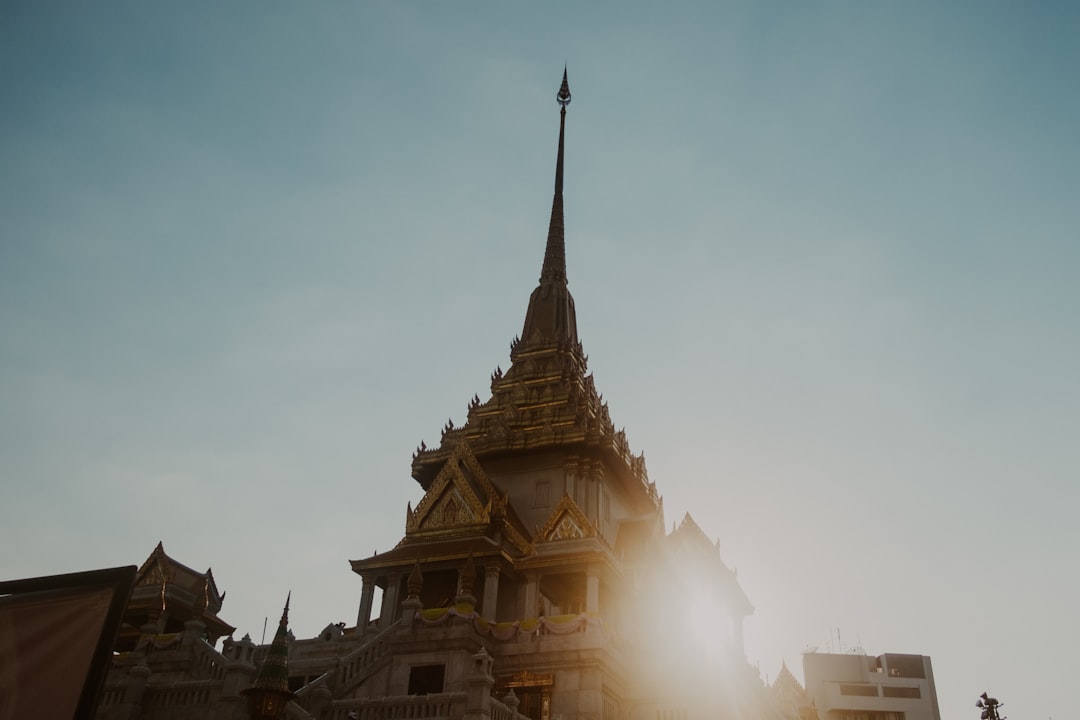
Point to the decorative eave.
(449, 553)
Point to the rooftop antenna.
(263, 641)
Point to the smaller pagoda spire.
(466, 583)
(415, 583)
(269, 694)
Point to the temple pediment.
(452, 501)
(566, 522)
(462, 500)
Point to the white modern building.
(892, 686)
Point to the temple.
(536, 578)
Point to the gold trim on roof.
(462, 498)
(566, 522)
(451, 500)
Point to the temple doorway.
(533, 691)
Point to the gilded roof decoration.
(451, 511)
(566, 522)
(451, 500)
(462, 497)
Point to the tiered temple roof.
(461, 514)
(167, 593)
(547, 399)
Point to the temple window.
(426, 679)
(542, 497)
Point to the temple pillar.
(590, 698)
(491, 592)
(193, 630)
(367, 596)
(389, 601)
(532, 596)
(592, 592)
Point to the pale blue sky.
(824, 258)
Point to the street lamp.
(989, 707)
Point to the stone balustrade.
(202, 693)
(410, 707)
(357, 665)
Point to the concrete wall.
(865, 683)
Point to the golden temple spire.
(554, 269)
(551, 315)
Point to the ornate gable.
(156, 569)
(566, 522)
(452, 501)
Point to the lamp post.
(989, 707)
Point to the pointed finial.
(468, 576)
(415, 583)
(563, 98)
